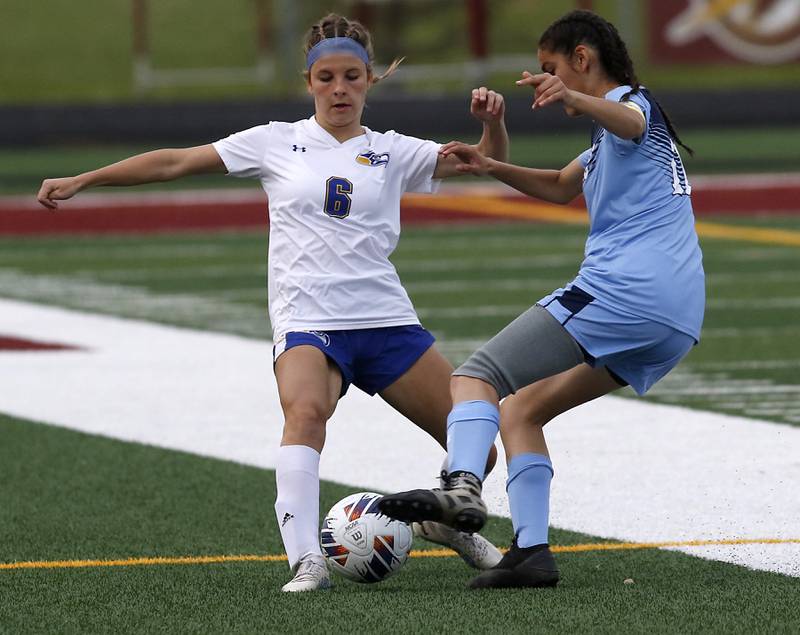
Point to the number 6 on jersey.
(337, 197)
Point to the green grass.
(717, 151)
(68, 495)
(746, 363)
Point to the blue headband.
(334, 45)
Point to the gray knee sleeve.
(532, 347)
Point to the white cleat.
(311, 575)
(474, 549)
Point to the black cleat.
(521, 567)
(457, 504)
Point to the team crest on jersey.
(372, 158)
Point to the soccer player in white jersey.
(338, 310)
(634, 310)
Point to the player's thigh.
(422, 394)
(309, 383)
(535, 405)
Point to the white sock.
(297, 503)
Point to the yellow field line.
(749, 234)
(504, 208)
(530, 210)
(431, 553)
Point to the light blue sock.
(471, 430)
(528, 488)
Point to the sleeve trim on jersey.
(637, 108)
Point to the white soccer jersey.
(334, 213)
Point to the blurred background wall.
(188, 71)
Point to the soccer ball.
(362, 544)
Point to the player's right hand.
(472, 161)
(549, 89)
(53, 190)
(487, 105)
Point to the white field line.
(749, 364)
(405, 265)
(253, 193)
(440, 287)
(751, 331)
(468, 313)
(477, 240)
(115, 253)
(754, 304)
(625, 469)
(773, 253)
(739, 276)
(762, 397)
(737, 389)
(99, 200)
(140, 302)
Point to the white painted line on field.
(241, 193)
(625, 469)
(749, 364)
(100, 200)
(754, 304)
(484, 263)
(461, 313)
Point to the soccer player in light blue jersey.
(633, 311)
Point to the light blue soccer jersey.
(642, 255)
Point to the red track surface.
(21, 216)
(19, 344)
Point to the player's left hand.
(487, 105)
(549, 89)
(471, 161)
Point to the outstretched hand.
(472, 161)
(548, 89)
(487, 105)
(53, 190)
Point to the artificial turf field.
(466, 281)
(72, 496)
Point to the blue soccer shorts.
(634, 349)
(370, 359)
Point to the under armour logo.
(286, 518)
(295, 148)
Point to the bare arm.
(150, 167)
(554, 186)
(489, 107)
(625, 120)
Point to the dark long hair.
(586, 27)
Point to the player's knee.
(482, 372)
(304, 422)
(464, 388)
(515, 413)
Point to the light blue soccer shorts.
(637, 350)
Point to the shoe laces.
(309, 569)
(463, 480)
